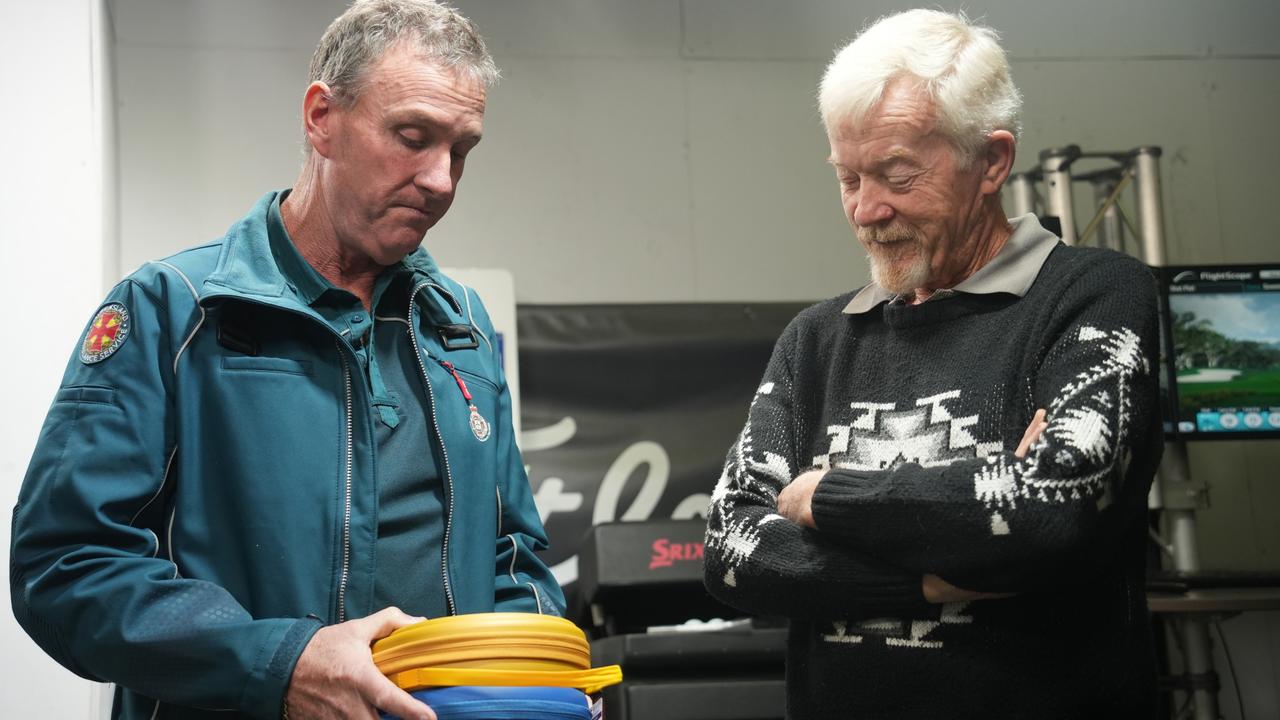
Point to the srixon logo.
(667, 553)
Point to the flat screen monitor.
(1222, 329)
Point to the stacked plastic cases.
(495, 666)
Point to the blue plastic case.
(505, 703)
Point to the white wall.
(668, 150)
(57, 138)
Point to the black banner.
(628, 410)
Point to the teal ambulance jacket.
(202, 495)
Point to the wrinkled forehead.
(405, 70)
(903, 108)
(410, 80)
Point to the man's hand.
(1033, 432)
(794, 502)
(335, 677)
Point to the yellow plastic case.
(497, 649)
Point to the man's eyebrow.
(424, 119)
(413, 116)
(898, 154)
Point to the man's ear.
(317, 117)
(997, 161)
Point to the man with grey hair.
(271, 450)
(942, 478)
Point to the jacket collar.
(1012, 270)
(248, 268)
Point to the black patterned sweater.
(917, 411)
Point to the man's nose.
(869, 206)
(435, 174)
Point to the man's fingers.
(795, 500)
(383, 622)
(390, 699)
(1032, 433)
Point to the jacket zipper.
(346, 512)
(444, 453)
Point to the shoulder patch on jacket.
(107, 332)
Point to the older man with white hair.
(943, 475)
(275, 448)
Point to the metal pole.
(1110, 231)
(1108, 203)
(1173, 470)
(1181, 495)
(1146, 170)
(1175, 473)
(1196, 644)
(1023, 194)
(1055, 166)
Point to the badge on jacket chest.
(479, 426)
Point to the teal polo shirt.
(408, 560)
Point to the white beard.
(899, 275)
(899, 265)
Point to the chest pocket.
(475, 399)
(476, 380)
(241, 331)
(246, 363)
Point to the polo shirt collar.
(307, 283)
(1013, 270)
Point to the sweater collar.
(1012, 270)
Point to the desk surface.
(1211, 600)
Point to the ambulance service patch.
(107, 332)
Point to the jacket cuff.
(265, 691)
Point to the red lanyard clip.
(461, 384)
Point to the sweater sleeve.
(760, 562)
(1003, 523)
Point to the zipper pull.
(466, 394)
(479, 426)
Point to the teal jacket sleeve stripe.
(91, 578)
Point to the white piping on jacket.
(466, 294)
(515, 552)
(163, 480)
(195, 295)
(498, 492)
